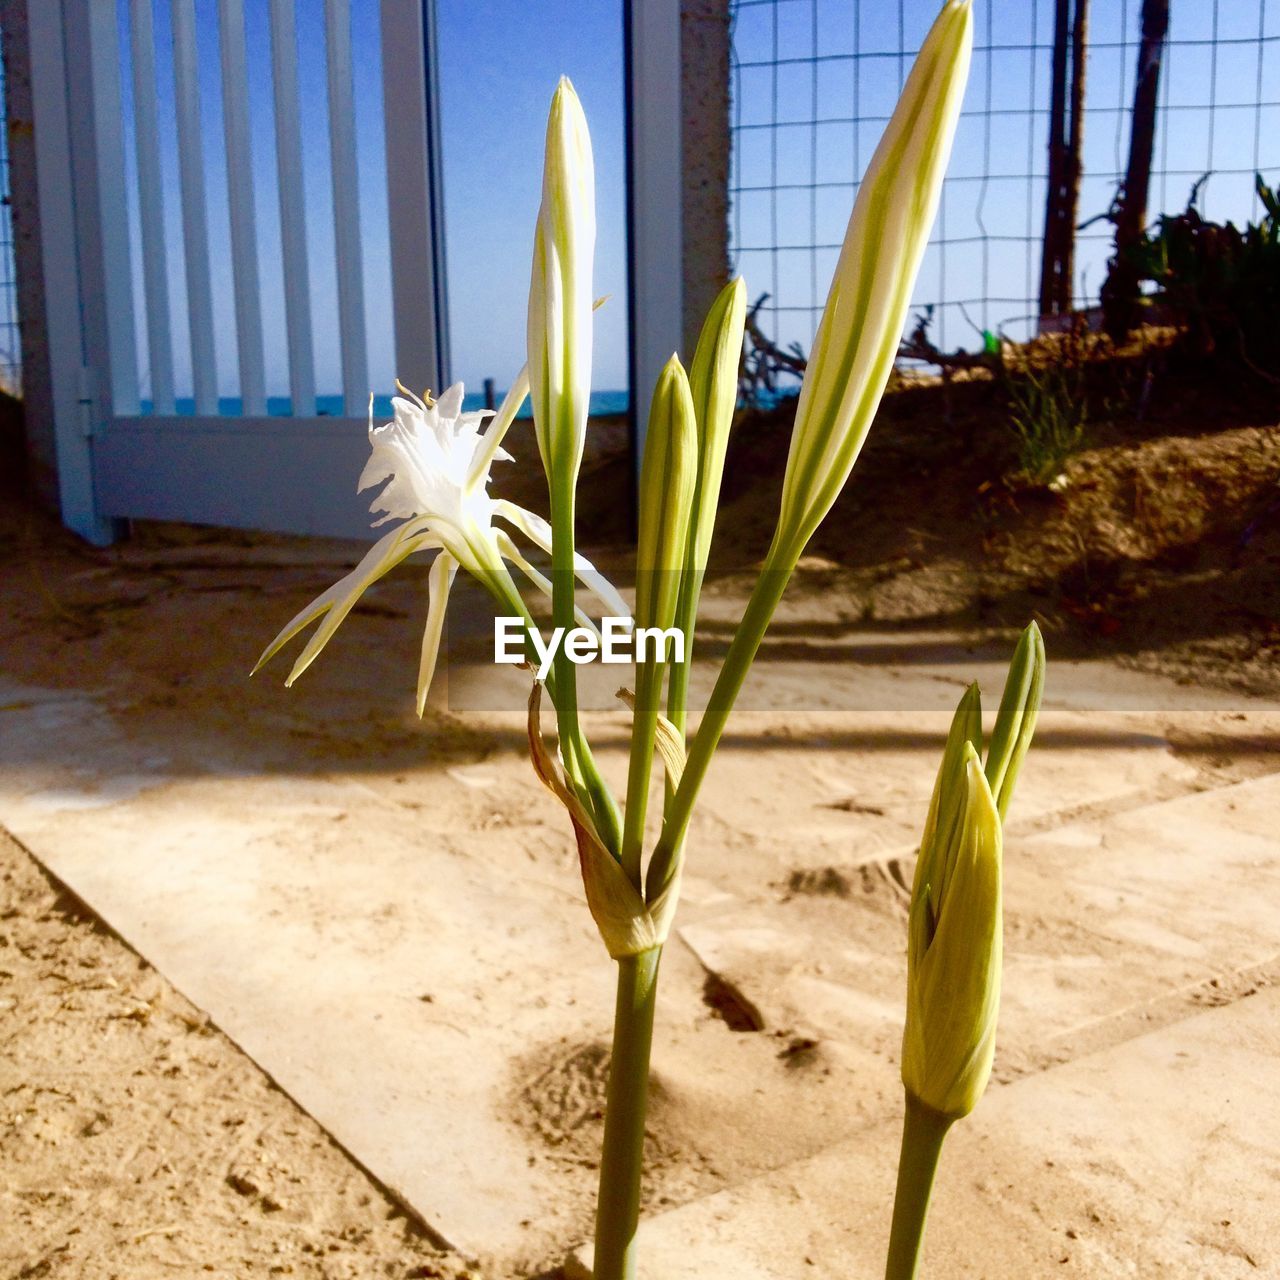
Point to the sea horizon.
(603, 404)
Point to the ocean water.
(602, 403)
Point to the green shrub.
(1218, 284)
(1048, 397)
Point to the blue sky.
(1011, 75)
(499, 61)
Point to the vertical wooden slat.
(52, 107)
(111, 338)
(293, 218)
(414, 192)
(346, 207)
(1120, 290)
(155, 277)
(195, 219)
(244, 236)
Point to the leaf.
(626, 925)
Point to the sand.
(379, 1013)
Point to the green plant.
(434, 462)
(1220, 285)
(1048, 402)
(954, 942)
(1047, 417)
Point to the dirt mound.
(1159, 541)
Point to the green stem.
(579, 762)
(563, 585)
(621, 1160)
(678, 684)
(686, 620)
(760, 609)
(923, 1130)
(640, 766)
(504, 590)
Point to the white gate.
(251, 470)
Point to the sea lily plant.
(954, 938)
(435, 461)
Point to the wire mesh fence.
(815, 81)
(10, 344)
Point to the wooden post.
(1066, 138)
(28, 253)
(1057, 130)
(1075, 155)
(1120, 292)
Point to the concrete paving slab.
(363, 968)
(309, 866)
(1155, 1158)
(1102, 917)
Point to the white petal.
(439, 580)
(449, 405)
(338, 600)
(538, 531)
(380, 467)
(539, 580)
(488, 450)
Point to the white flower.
(433, 462)
(427, 454)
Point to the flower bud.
(713, 384)
(666, 494)
(560, 297)
(954, 928)
(667, 477)
(857, 339)
(1016, 720)
(954, 948)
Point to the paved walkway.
(1154, 1156)
(387, 918)
(1148, 1159)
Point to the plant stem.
(686, 620)
(768, 590)
(923, 1130)
(639, 766)
(578, 760)
(621, 1160)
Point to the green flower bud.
(1016, 720)
(857, 339)
(713, 384)
(954, 947)
(667, 477)
(560, 296)
(954, 928)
